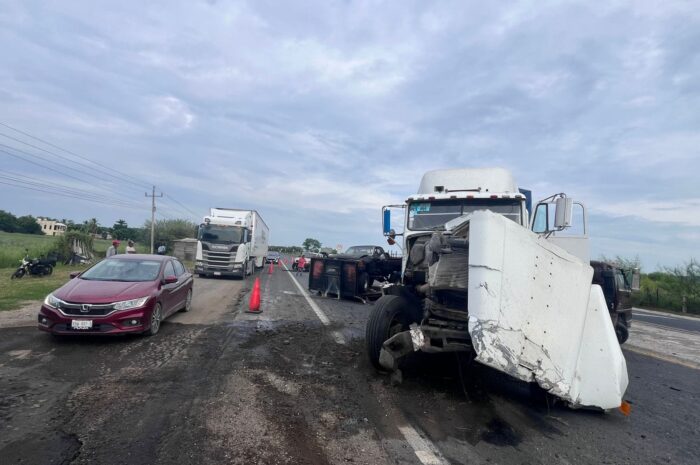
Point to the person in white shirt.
(113, 249)
(130, 247)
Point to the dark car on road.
(122, 294)
(272, 257)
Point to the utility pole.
(153, 213)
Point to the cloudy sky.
(318, 113)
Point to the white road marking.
(317, 310)
(426, 452)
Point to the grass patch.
(13, 292)
(13, 245)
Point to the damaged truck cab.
(476, 279)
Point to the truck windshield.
(220, 234)
(427, 216)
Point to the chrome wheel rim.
(155, 319)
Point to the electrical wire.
(124, 177)
(65, 195)
(59, 188)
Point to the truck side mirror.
(563, 207)
(386, 221)
(636, 280)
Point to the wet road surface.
(218, 385)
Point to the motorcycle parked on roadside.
(34, 267)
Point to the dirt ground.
(221, 386)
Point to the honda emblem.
(85, 308)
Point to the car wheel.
(188, 302)
(389, 317)
(156, 320)
(49, 269)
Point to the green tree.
(311, 244)
(167, 231)
(28, 225)
(8, 221)
(120, 230)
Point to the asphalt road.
(292, 385)
(670, 320)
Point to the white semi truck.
(231, 242)
(476, 278)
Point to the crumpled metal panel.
(534, 314)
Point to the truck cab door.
(567, 229)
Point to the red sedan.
(122, 294)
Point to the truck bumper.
(237, 271)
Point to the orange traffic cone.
(271, 269)
(254, 306)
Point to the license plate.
(81, 324)
(217, 273)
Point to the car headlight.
(51, 301)
(129, 304)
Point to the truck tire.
(389, 316)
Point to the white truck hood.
(534, 314)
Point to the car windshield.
(220, 234)
(273, 254)
(360, 250)
(123, 270)
(428, 216)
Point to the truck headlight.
(51, 301)
(129, 304)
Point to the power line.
(58, 188)
(187, 209)
(91, 183)
(123, 177)
(126, 177)
(46, 191)
(66, 189)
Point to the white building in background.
(51, 227)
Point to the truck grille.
(220, 260)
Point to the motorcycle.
(34, 266)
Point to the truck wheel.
(389, 317)
(621, 330)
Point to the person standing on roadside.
(113, 249)
(301, 264)
(130, 247)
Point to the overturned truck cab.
(482, 281)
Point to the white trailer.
(231, 242)
(476, 277)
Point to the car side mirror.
(74, 274)
(170, 279)
(563, 207)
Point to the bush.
(63, 247)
